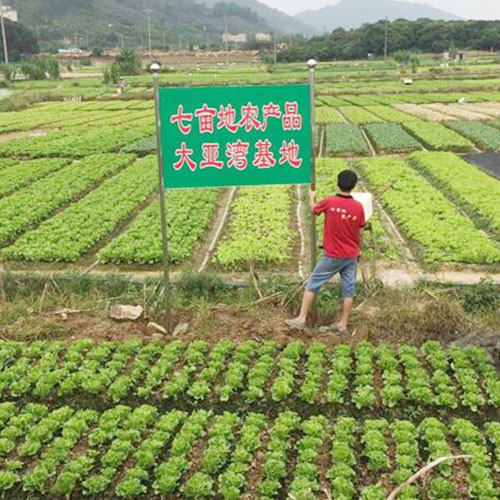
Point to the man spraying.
(344, 222)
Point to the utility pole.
(385, 38)
(148, 12)
(4, 36)
(275, 48)
(227, 42)
(206, 37)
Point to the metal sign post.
(312, 68)
(155, 68)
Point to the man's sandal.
(296, 324)
(336, 329)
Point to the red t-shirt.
(344, 218)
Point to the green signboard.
(235, 136)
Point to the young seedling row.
(363, 378)
(125, 452)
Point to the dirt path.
(208, 246)
(72, 75)
(390, 275)
(37, 132)
(367, 139)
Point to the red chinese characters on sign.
(210, 153)
(237, 154)
(182, 117)
(292, 120)
(250, 119)
(227, 118)
(269, 111)
(184, 155)
(206, 117)
(290, 154)
(264, 157)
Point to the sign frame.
(155, 68)
(268, 143)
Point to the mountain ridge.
(274, 17)
(108, 23)
(349, 14)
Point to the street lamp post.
(155, 69)
(311, 64)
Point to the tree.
(423, 35)
(20, 41)
(8, 71)
(402, 57)
(40, 68)
(414, 61)
(128, 62)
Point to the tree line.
(423, 35)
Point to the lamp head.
(155, 67)
(312, 63)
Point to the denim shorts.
(328, 267)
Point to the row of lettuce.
(79, 129)
(357, 109)
(437, 199)
(129, 452)
(364, 377)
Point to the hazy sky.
(471, 9)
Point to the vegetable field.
(185, 420)
(360, 378)
(78, 183)
(258, 414)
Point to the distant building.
(70, 51)
(10, 13)
(239, 38)
(262, 37)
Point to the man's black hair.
(347, 180)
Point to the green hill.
(108, 23)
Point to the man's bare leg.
(346, 313)
(307, 302)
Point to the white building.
(239, 38)
(10, 13)
(70, 51)
(262, 37)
